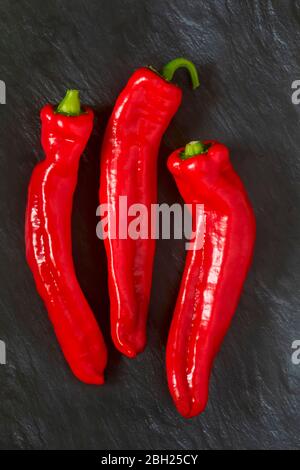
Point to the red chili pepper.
(65, 132)
(213, 276)
(140, 117)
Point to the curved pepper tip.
(91, 379)
(129, 350)
(91, 374)
(190, 408)
(130, 347)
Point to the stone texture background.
(247, 53)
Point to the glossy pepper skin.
(213, 276)
(49, 244)
(139, 119)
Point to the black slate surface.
(247, 53)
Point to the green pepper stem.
(171, 67)
(70, 105)
(194, 148)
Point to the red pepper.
(65, 132)
(213, 276)
(140, 117)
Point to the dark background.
(248, 54)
